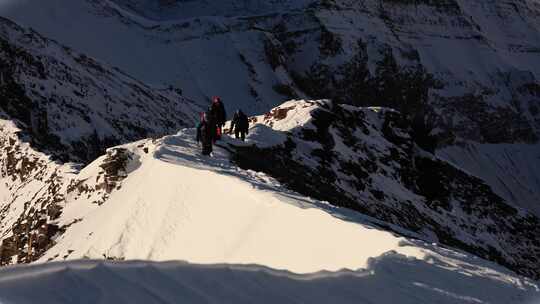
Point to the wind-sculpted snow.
(366, 159)
(388, 278)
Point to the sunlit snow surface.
(271, 245)
(177, 204)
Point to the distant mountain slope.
(72, 106)
(170, 10)
(201, 56)
(464, 64)
(467, 72)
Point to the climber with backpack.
(206, 133)
(218, 114)
(240, 125)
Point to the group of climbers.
(210, 128)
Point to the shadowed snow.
(391, 278)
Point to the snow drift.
(389, 279)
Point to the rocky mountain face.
(59, 110)
(465, 72)
(467, 69)
(72, 106)
(34, 191)
(453, 64)
(368, 159)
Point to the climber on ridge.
(218, 115)
(240, 125)
(206, 133)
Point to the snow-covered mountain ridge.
(373, 160)
(174, 204)
(150, 199)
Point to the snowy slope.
(174, 204)
(511, 170)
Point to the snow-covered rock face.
(367, 159)
(73, 107)
(57, 105)
(464, 69)
(35, 190)
(471, 68)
